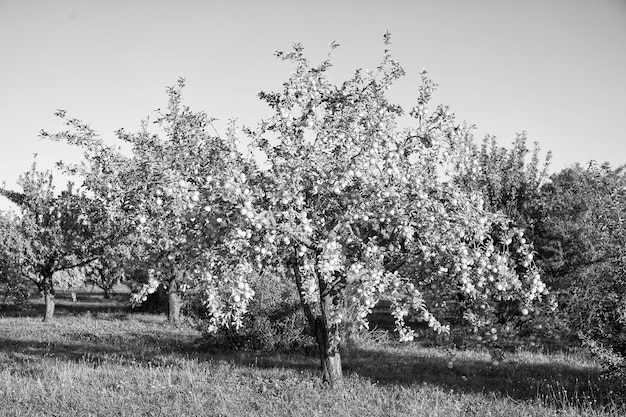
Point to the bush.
(597, 308)
(615, 363)
(274, 323)
(592, 267)
(15, 291)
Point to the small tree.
(104, 273)
(175, 195)
(70, 279)
(119, 257)
(54, 232)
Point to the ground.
(101, 358)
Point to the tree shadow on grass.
(154, 350)
(559, 383)
(555, 384)
(99, 349)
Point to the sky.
(553, 68)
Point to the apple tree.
(119, 256)
(110, 268)
(356, 209)
(54, 232)
(188, 206)
(176, 195)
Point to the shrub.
(274, 323)
(584, 219)
(15, 291)
(598, 309)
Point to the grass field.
(100, 359)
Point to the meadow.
(99, 358)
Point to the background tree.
(568, 218)
(70, 280)
(117, 259)
(14, 285)
(176, 192)
(581, 239)
(105, 273)
(509, 178)
(54, 232)
(570, 236)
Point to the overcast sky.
(554, 68)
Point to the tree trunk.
(49, 298)
(327, 336)
(330, 357)
(107, 293)
(328, 340)
(48, 294)
(173, 302)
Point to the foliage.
(349, 206)
(354, 209)
(569, 235)
(54, 233)
(173, 196)
(118, 257)
(113, 266)
(508, 180)
(583, 239)
(13, 285)
(275, 322)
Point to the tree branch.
(305, 305)
(76, 265)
